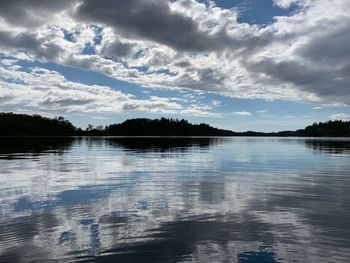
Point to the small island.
(35, 125)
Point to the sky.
(263, 65)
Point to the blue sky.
(259, 12)
(263, 65)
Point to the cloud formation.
(49, 91)
(31, 13)
(243, 113)
(186, 44)
(152, 20)
(340, 116)
(42, 89)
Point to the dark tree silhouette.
(25, 125)
(163, 127)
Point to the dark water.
(175, 200)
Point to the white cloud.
(290, 117)
(303, 57)
(243, 113)
(201, 110)
(216, 103)
(340, 116)
(48, 91)
(45, 90)
(288, 3)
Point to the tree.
(90, 127)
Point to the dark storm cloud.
(18, 41)
(330, 47)
(208, 75)
(318, 80)
(152, 20)
(29, 43)
(130, 107)
(288, 71)
(183, 64)
(117, 48)
(309, 50)
(320, 66)
(65, 102)
(30, 12)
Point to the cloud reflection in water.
(174, 200)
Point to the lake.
(233, 199)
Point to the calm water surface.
(175, 200)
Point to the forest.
(35, 125)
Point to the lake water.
(175, 200)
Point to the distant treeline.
(26, 125)
(335, 128)
(36, 125)
(168, 127)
